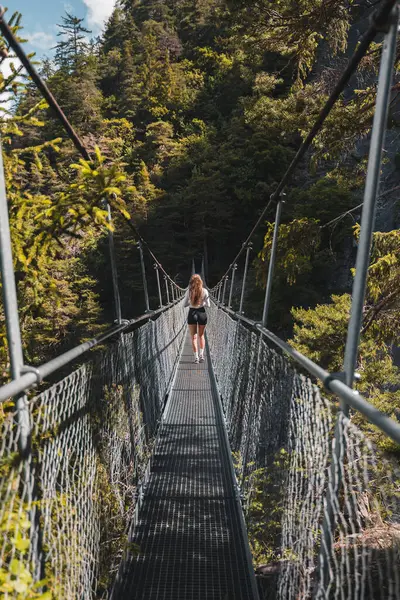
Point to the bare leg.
(202, 340)
(193, 333)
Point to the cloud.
(40, 40)
(7, 100)
(99, 12)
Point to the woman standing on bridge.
(197, 297)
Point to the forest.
(192, 111)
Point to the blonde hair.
(195, 289)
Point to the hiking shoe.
(196, 361)
(201, 359)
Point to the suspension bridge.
(118, 480)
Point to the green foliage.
(17, 582)
(320, 333)
(384, 285)
(295, 28)
(54, 222)
(16, 574)
(55, 291)
(265, 505)
(298, 241)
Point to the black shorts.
(197, 316)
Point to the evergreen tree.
(71, 51)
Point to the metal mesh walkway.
(189, 542)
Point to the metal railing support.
(224, 289)
(246, 268)
(220, 293)
(158, 284)
(113, 262)
(249, 424)
(234, 268)
(267, 299)
(15, 352)
(203, 270)
(11, 313)
(272, 261)
(166, 287)
(146, 293)
(370, 197)
(359, 288)
(172, 292)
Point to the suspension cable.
(378, 22)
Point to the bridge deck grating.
(188, 539)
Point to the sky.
(39, 19)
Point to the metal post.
(224, 290)
(158, 284)
(172, 292)
(370, 198)
(272, 261)
(11, 314)
(203, 272)
(359, 288)
(232, 283)
(193, 267)
(267, 298)
(146, 293)
(166, 287)
(249, 424)
(217, 293)
(114, 273)
(10, 304)
(246, 267)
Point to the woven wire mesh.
(92, 434)
(16, 507)
(283, 432)
(364, 562)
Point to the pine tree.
(71, 51)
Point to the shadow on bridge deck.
(189, 533)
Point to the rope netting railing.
(282, 432)
(66, 508)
